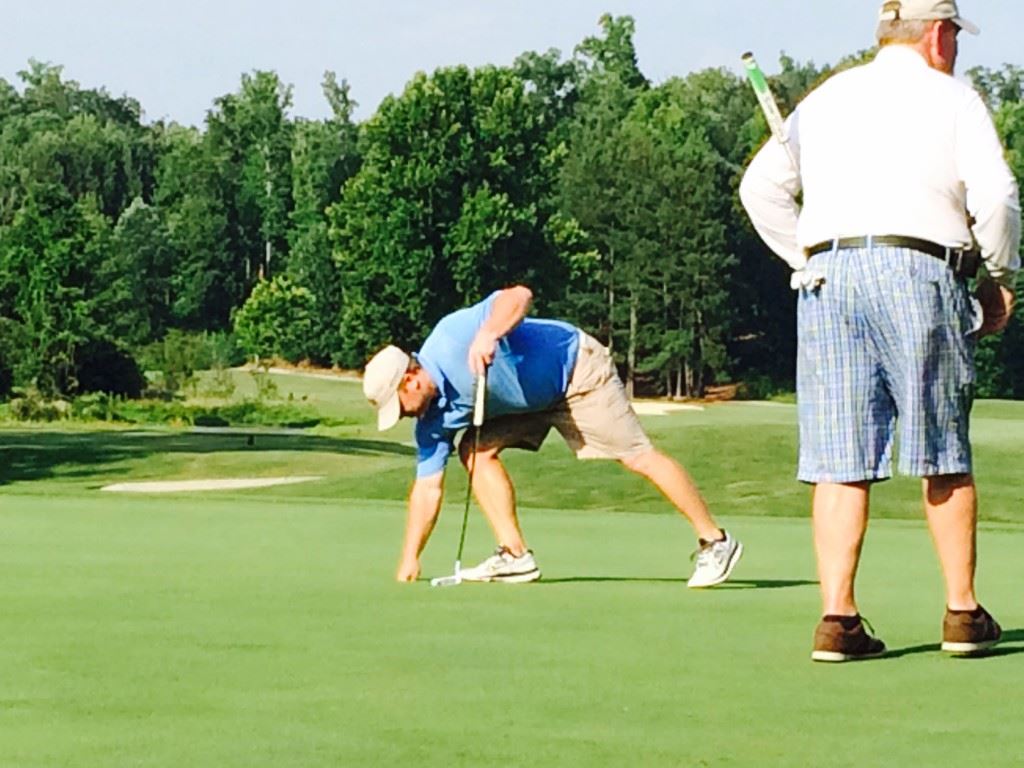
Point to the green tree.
(205, 279)
(591, 182)
(71, 160)
(447, 206)
(53, 254)
(324, 155)
(139, 273)
(249, 137)
(276, 320)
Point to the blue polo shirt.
(531, 371)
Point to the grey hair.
(902, 31)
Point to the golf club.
(479, 395)
(767, 102)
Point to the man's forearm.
(509, 308)
(998, 235)
(424, 506)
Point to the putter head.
(449, 581)
(446, 581)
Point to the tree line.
(612, 197)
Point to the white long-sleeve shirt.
(892, 147)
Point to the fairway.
(262, 627)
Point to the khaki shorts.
(595, 419)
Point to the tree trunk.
(269, 187)
(611, 300)
(631, 350)
(697, 388)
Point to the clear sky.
(176, 56)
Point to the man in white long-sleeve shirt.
(905, 192)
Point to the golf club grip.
(479, 397)
(767, 101)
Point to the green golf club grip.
(768, 106)
(754, 73)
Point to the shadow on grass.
(32, 455)
(1003, 649)
(733, 584)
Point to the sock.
(706, 542)
(977, 613)
(847, 622)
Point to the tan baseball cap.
(925, 10)
(381, 378)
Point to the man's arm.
(994, 205)
(992, 197)
(769, 192)
(509, 308)
(424, 506)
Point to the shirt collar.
(899, 55)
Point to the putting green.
(264, 630)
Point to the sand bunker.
(214, 484)
(658, 408)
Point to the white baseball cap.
(381, 379)
(925, 10)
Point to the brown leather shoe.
(835, 642)
(968, 632)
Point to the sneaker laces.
(705, 551)
(501, 556)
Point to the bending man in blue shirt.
(540, 374)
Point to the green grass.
(263, 628)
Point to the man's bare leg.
(840, 512)
(497, 498)
(951, 504)
(677, 486)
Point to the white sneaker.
(715, 561)
(504, 566)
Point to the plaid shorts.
(889, 333)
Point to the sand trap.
(658, 408)
(216, 484)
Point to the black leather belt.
(962, 261)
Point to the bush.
(266, 387)
(97, 406)
(30, 405)
(763, 387)
(155, 412)
(220, 383)
(173, 361)
(277, 320)
(6, 378)
(12, 339)
(102, 366)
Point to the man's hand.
(481, 351)
(996, 304)
(408, 570)
(509, 308)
